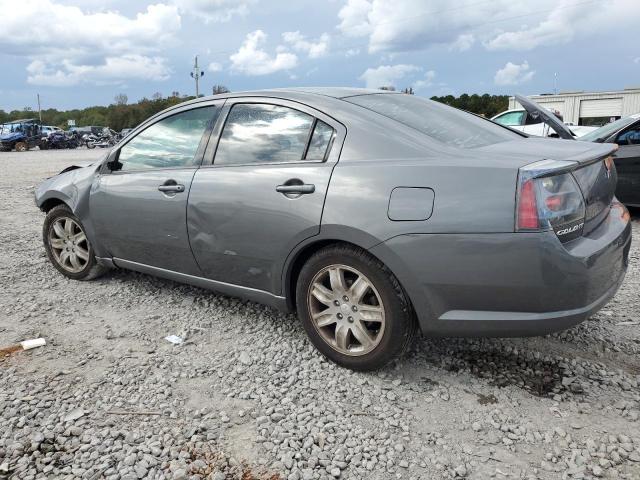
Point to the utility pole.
(196, 74)
(555, 83)
(39, 111)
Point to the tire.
(379, 313)
(21, 147)
(85, 266)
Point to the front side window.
(263, 133)
(511, 119)
(171, 142)
(630, 137)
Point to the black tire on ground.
(400, 322)
(21, 147)
(92, 269)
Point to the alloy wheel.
(69, 244)
(346, 310)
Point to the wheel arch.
(359, 240)
(52, 202)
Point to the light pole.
(196, 74)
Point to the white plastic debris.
(176, 340)
(33, 343)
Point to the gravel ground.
(246, 396)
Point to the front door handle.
(302, 189)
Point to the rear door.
(264, 191)
(627, 160)
(139, 205)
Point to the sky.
(81, 53)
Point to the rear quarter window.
(440, 122)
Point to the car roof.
(294, 93)
(24, 120)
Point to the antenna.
(196, 73)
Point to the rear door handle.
(175, 188)
(303, 189)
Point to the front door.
(627, 160)
(263, 193)
(139, 204)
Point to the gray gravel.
(246, 393)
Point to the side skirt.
(247, 293)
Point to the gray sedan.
(371, 214)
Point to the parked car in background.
(20, 135)
(520, 119)
(124, 132)
(48, 129)
(624, 132)
(422, 216)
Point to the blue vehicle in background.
(20, 135)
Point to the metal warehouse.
(589, 108)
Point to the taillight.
(548, 197)
(527, 207)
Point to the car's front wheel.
(67, 245)
(353, 308)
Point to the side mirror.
(112, 162)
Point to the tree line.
(122, 114)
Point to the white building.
(589, 108)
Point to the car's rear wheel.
(21, 147)
(67, 245)
(353, 308)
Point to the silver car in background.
(372, 214)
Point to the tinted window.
(320, 141)
(606, 131)
(261, 133)
(511, 118)
(630, 137)
(171, 142)
(440, 122)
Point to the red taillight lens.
(549, 198)
(527, 207)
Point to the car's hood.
(537, 111)
(533, 149)
(9, 137)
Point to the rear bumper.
(509, 284)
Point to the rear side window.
(264, 133)
(320, 141)
(171, 142)
(440, 122)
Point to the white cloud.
(404, 25)
(215, 67)
(514, 74)
(251, 59)
(112, 71)
(214, 10)
(65, 43)
(386, 75)
(354, 18)
(427, 81)
(352, 52)
(313, 49)
(464, 42)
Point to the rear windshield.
(440, 122)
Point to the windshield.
(607, 130)
(440, 122)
